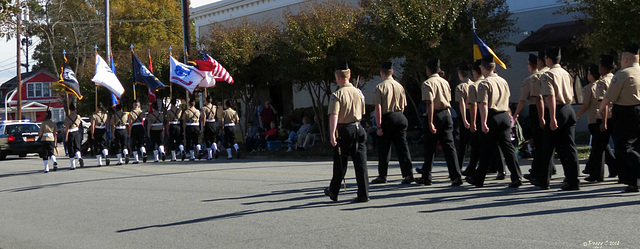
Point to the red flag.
(151, 94)
(219, 73)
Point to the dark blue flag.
(142, 75)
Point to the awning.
(562, 34)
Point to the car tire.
(3, 155)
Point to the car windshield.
(21, 128)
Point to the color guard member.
(191, 126)
(98, 132)
(48, 136)
(229, 120)
(136, 132)
(118, 124)
(174, 115)
(155, 131)
(73, 136)
(209, 120)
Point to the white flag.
(208, 80)
(104, 77)
(184, 75)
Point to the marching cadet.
(136, 132)
(191, 125)
(436, 93)
(73, 136)
(173, 117)
(229, 120)
(98, 132)
(390, 100)
(592, 94)
(210, 129)
(347, 136)
(471, 100)
(527, 96)
(623, 94)
(118, 123)
(155, 131)
(48, 136)
(493, 104)
(559, 130)
(462, 95)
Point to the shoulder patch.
(613, 80)
(599, 84)
(333, 97)
(480, 87)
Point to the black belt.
(389, 113)
(344, 125)
(494, 112)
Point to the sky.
(8, 48)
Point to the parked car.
(18, 138)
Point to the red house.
(37, 96)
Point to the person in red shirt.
(268, 114)
(271, 134)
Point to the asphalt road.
(253, 203)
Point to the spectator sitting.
(269, 135)
(252, 137)
(303, 135)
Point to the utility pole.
(18, 77)
(26, 42)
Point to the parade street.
(267, 203)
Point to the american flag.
(219, 73)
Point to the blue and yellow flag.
(481, 49)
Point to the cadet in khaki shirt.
(624, 93)
(436, 93)
(209, 119)
(119, 123)
(495, 122)
(390, 100)
(229, 120)
(98, 132)
(73, 136)
(136, 132)
(49, 138)
(462, 96)
(471, 101)
(346, 135)
(559, 132)
(191, 125)
(173, 116)
(155, 131)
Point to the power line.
(122, 21)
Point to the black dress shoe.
(469, 180)
(379, 180)
(545, 187)
(333, 197)
(81, 163)
(593, 179)
(359, 200)
(164, 156)
(534, 182)
(419, 170)
(631, 189)
(570, 187)
(423, 181)
(612, 175)
(126, 159)
(515, 184)
(456, 182)
(527, 176)
(144, 157)
(465, 173)
(500, 176)
(407, 180)
(108, 161)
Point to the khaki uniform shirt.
(589, 99)
(48, 126)
(525, 91)
(229, 116)
(437, 90)
(557, 82)
(99, 119)
(72, 121)
(494, 91)
(155, 119)
(625, 86)
(119, 119)
(462, 91)
(390, 96)
(602, 86)
(191, 115)
(348, 103)
(135, 116)
(209, 112)
(536, 84)
(174, 114)
(473, 91)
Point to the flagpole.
(170, 84)
(95, 49)
(185, 35)
(64, 55)
(134, 84)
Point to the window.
(38, 90)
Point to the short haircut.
(433, 64)
(72, 107)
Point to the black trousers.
(600, 151)
(193, 134)
(562, 139)
(75, 143)
(175, 136)
(229, 136)
(99, 139)
(474, 157)
(464, 141)
(119, 140)
(137, 137)
(496, 142)
(394, 126)
(351, 142)
(537, 135)
(626, 126)
(156, 138)
(48, 148)
(444, 134)
(210, 134)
